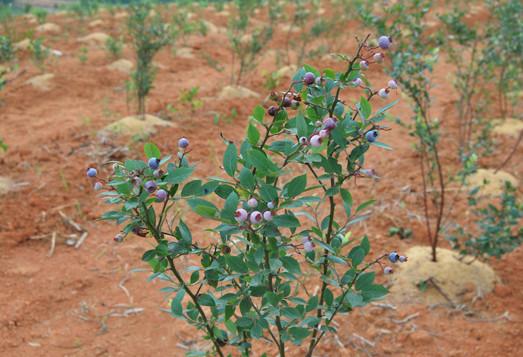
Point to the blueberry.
(256, 217)
(183, 143)
(392, 84)
(402, 259)
(329, 123)
(98, 186)
(384, 42)
(295, 104)
(364, 64)
(383, 93)
(316, 140)
(304, 140)
(150, 186)
(119, 237)
(308, 246)
(287, 102)
(272, 110)
(154, 163)
(240, 215)
(371, 136)
(267, 215)
(387, 270)
(309, 78)
(357, 82)
(252, 202)
(161, 195)
(378, 57)
(270, 205)
(91, 172)
(324, 133)
(394, 257)
(157, 173)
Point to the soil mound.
(49, 28)
(456, 279)
(234, 92)
(490, 181)
(510, 127)
(6, 185)
(135, 125)
(43, 82)
(121, 65)
(95, 39)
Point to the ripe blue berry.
(267, 215)
(403, 259)
(371, 136)
(329, 123)
(316, 140)
(253, 202)
(256, 217)
(240, 215)
(154, 163)
(91, 172)
(394, 257)
(309, 78)
(272, 110)
(161, 195)
(183, 143)
(150, 186)
(287, 102)
(384, 42)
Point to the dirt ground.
(95, 300)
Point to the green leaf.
(301, 126)
(347, 201)
(291, 265)
(176, 303)
(382, 145)
(357, 254)
(365, 205)
(253, 135)
(236, 263)
(178, 175)
(286, 220)
(231, 203)
(365, 280)
(258, 113)
(365, 108)
(295, 187)
(202, 207)
(133, 165)
(247, 179)
(192, 188)
(230, 159)
(298, 334)
(206, 300)
(151, 151)
(262, 163)
(365, 245)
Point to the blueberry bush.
(282, 214)
(149, 35)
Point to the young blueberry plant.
(149, 34)
(282, 211)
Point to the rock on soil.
(42, 82)
(95, 39)
(185, 52)
(6, 185)
(134, 125)
(95, 23)
(457, 279)
(491, 183)
(49, 28)
(121, 65)
(234, 92)
(510, 127)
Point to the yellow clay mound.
(95, 23)
(95, 39)
(6, 185)
(458, 280)
(134, 125)
(121, 65)
(491, 183)
(42, 82)
(233, 92)
(49, 28)
(510, 126)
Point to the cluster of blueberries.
(394, 257)
(150, 185)
(255, 217)
(329, 123)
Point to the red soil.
(68, 304)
